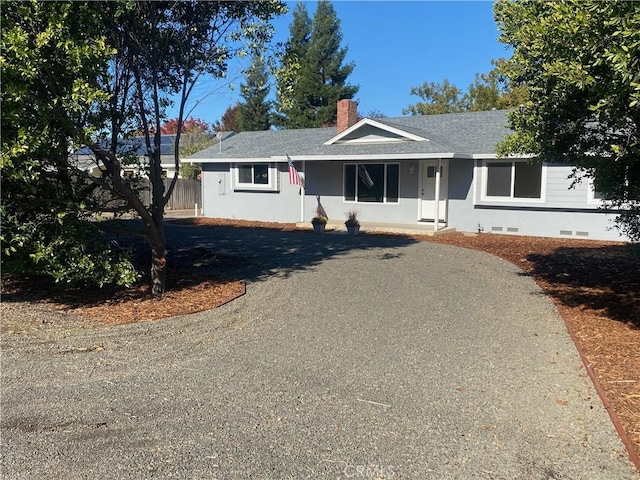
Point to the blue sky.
(395, 45)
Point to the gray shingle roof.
(462, 134)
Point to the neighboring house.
(392, 170)
(86, 159)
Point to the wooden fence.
(186, 194)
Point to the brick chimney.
(347, 114)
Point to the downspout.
(436, 221)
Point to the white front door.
(430, 179)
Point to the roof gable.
(368, 131)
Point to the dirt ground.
(595, 285)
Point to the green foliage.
(488, 91)
(290, 96)
(580, 61)
(63, 245)
(437, 98)
(73, 69)
(40, 40)
(313, 76)
(190, 170)
(493, 91)
(52, 56)
(254, 112)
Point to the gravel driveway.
(365, 357)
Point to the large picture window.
(513, 180)
(255, 176)
(372, 182)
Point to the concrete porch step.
(335, 227)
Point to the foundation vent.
(513, 229)
(582, 234)
(566, 232)
(496, 229)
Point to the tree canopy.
(190, 125)
(230, 121)
(198, 135)
(254, 112)
(95, 74)
(488, 91)
(52, 56)
(580, 62)
(437, 98)
(312, 76)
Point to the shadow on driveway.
(255, 254)
(197, 253)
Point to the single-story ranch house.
(392, 170)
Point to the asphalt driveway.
(366, 357)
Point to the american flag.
(364, 175)
(294, 176)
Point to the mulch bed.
(187, 292)
(595, 285)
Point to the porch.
(337, 227)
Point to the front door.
(428, 196)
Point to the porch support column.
(436, 222)
(303, 190)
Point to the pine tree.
(312, 77)
(326, 58)
(253, 114)
(291, 104)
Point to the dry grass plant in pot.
(319, 222)
(353, 222)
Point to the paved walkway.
(347, 358)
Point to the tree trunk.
(158, 244)
(158, 270)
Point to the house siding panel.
(541, 223)
(221, 201)
(461, 214)
(564, 212)
(370, 133)
(559, 191)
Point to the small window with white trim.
(520, 180)
(255, 176)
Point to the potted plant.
(352, 223)
(319, 222)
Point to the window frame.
(385, 166)
(272, 185)
(592, 198)
(511, 197)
